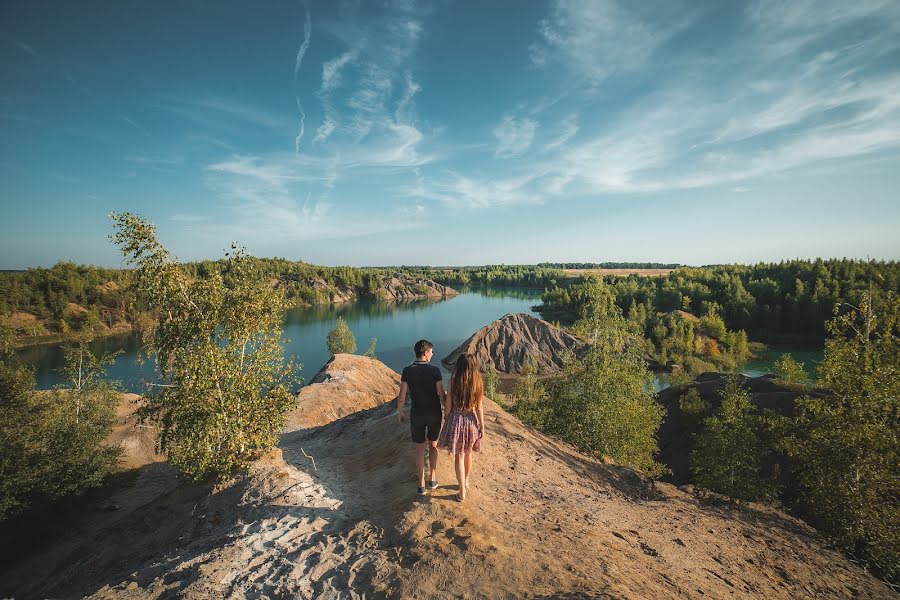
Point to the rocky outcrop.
(399, 286)
(337, 293)
(676, 434)
(511, 341)
(345, 385)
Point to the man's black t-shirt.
(422, 378)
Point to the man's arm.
(445, 398)
(401, 400)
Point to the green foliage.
(727, 458)
(51, 444)
(789, 370)
(530, 396)
(340, 339)
(847, 445)
(765, 299)
(601, 401)
(679, 377)
(490, 382)
(219, 351)
(713, 326)
(539, 276)
(694, 408)
(370, 351)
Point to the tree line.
(608, 265)
(767, 300)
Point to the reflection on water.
(396, 325)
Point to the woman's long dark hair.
(466, 386)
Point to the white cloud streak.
(298, 62)
(801, 87)
(513, 135)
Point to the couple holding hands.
(463, 422)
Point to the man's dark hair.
(421, 347)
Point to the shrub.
(601, 401)
(340, 339)
(789, 370)
(694, 408)
(490, 382)
(218, 348)
(847, 444)
(51, 443)
(727, 458)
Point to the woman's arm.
(447, 401)
(480, 412)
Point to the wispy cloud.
(513, 135)
(595, 38)
(806, 84)
(27, 48)
(298, 62)
(220, 112)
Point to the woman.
(464, 419)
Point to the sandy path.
(541, 521)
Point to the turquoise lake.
(396, 325)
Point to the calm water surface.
(396, 325)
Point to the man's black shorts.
(425, 426)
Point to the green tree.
(490, 382)
(601, 401)
(530, 396)
(52, 444)
(694, 408)
(340, 339)
(370, 351)
(218, 348)
(727, 458)
(847, 444)
(789, 370)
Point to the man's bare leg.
(432, 460)
(420, 463)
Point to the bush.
(789, 370)
(219, 351)
(727, 458)
(370, 351)
(340, 339)
(847, 444)
(490, 382)
(601, 402)
(51, 443)
(529, 395)
(694, 408)
(696, 366)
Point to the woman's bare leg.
(459, 461)
(468, 462)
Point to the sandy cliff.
(333, 513)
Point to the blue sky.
(450, 132)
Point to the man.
(423, 381)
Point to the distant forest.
(609, 265)
(767, 300)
